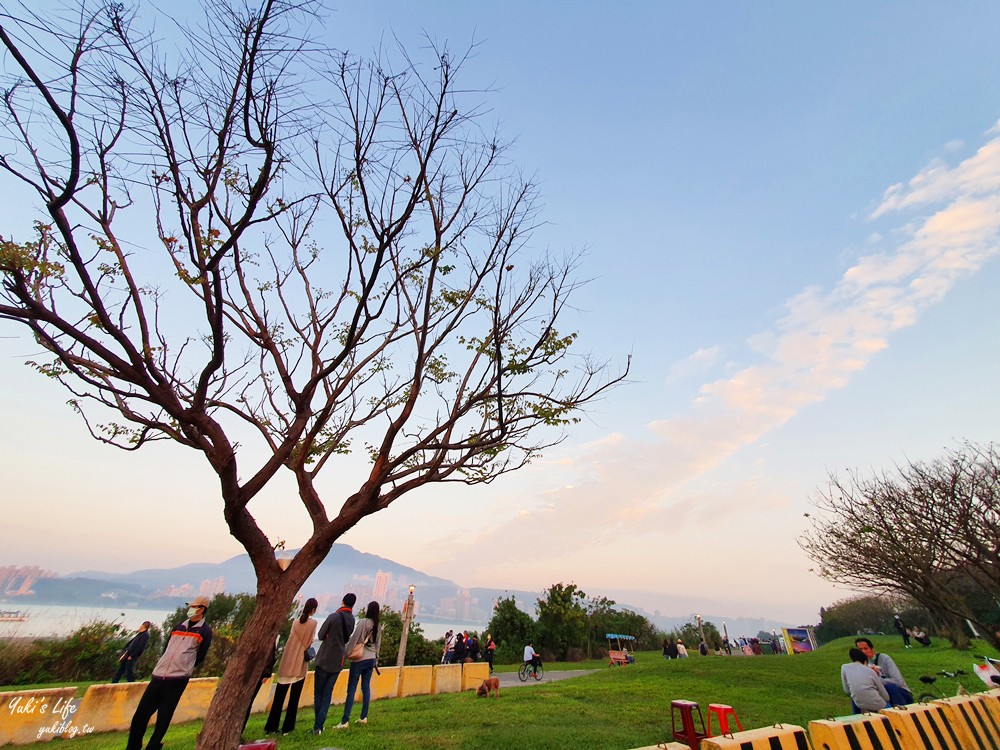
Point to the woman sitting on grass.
(862, 684)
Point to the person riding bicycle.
(531, 657)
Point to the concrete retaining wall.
(473, 674)
(35, 715)
(416, 681)
(447, 679)
(29, 716)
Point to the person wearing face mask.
(186, 649)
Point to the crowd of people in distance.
(673, 648)
(462, 648)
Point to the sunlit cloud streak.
(944, 225)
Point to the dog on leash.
(490, 685)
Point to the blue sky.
(791, 216)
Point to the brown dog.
(490, 685)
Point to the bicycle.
(526, 671)
(929, 681)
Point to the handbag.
(310, 653)
(358, 652)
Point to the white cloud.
(648, 497)
(937, 183)
(695, 364)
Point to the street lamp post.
(407, 619)
(701, 630)
(725, 634)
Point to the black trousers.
(160, 697)
(250, 707)
(293, 707)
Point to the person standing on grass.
(897, 622)
(131, 653)
(333, 634)
(369, 632)
(461, 649)
(449, 648)
(867, 691)
(292, 670)
(670, 649)
(885, 667)
(186, 649)
(491, 646)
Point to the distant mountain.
(344, 569)
(340, 568)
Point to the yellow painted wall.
(308, 690)
(263, 700)
(109, 708)
(416, 681)
(385, 685)
(194, 703)
(473, 674)
(23, 714)
(447, 679)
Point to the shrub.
(90, 653)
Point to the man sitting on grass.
(885, 667)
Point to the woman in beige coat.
(292, 670)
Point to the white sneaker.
(342, 725)
(362, 721)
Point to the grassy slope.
(616, 708)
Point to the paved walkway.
(510, 679)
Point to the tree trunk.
(224, 720)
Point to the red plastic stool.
(722, 712)
(687, 733)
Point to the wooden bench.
(617, 659)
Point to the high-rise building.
(381, 586)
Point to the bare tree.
(932, 530)
(279, 256)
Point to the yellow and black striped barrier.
(925, 726)
(972, 717)
(865, 732)
(778, 737)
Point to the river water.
(55, 620)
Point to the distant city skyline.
(789, 215)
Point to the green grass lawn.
(614, 708)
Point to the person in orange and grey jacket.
(292, 670)
(186, 649)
